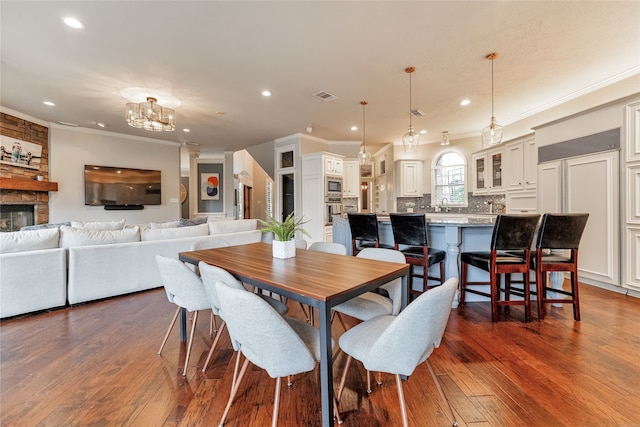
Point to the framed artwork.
(210, 186)
(366, 171)
(20, 153)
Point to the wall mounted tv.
(121, 188)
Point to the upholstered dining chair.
(411, 238)
(364, 232)
(184, 289)
(398, 344)
(509, 253)
(281, 346)
(210, 275)
(557, 244)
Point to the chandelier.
(364, 157)
(411, 139)
(150, 116)
(492, 134)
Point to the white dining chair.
(184, 289)
(398, 344)
(281, 346)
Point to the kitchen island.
(453, 233)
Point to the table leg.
(326, 365)
(183, 324)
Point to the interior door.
(246, 201)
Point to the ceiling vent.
(417, 112)
(325, 96)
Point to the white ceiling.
(219, 56)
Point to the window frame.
(434, 171)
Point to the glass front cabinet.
(487, 171)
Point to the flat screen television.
(113, 186)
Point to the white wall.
(71, 148)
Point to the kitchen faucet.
(444, 203)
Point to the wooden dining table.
(318, 279)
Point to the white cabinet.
(631, 259)
(351, 179)
(332, 165)
(409, 176)
(520, 165)
(487, 171)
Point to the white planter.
(284, 250)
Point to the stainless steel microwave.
(333, 186)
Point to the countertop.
(452, 219)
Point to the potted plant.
(284, 245)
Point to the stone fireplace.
(23, 198)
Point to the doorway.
(247, 192)
(288, 199)
(366, 191)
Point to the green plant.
(284, 230)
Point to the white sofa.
(95, 264)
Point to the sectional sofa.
(70, 264)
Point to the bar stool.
(509, 253)
(364, 232)
(411, 238)
(558, 232)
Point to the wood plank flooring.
(96, 365)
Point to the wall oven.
(333, 187)
(332, 206)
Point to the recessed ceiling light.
(266, 93)
(465, 102)
(73, 22)
(186, 130)
(49, 103)
(423, 131)
(221, 113)
(102, 125)
(354, 128)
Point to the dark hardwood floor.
(96, 365)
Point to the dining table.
(320, 280)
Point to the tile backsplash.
(477, 204)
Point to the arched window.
(448, 183)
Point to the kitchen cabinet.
(487, 171)
(520, 165)
(632, 190)
(409, 176)
(351, 179)
(332, 165)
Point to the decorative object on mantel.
(284, 231)
(150, 116)
(364, 157)
(445, 138)
(492, 134)
(411, 139)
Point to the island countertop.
(452, 219)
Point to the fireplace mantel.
(27, 185)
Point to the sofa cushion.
(174, 233)
(71, 236)
(166, 224)
(44, 226)
(99, 225)
(183, 222)
(232, 226)
(30, 240)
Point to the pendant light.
(445, 138)
(492, 134)
(364, 157)
(411, 139)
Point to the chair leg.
(541, 284)
(213, 346)
(368, 382)
(403, 408)
(344, 376)
(276, 403)
(193, 330)
(495, 294)
(234, 390)
(234, 380)
(576, 297)
(341, 321)
(441, 272)
(454, 423)
(173, 322)
(463, 281)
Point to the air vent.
(417, 112)
(325, 96)
(68, 124)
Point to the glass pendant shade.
(150, 116)
(492, 134)
(410, 140)
(364, 157)
(445, 139)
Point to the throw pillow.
(174, 233)
(183, 222)
(30, 240)
(44, 226)
(71, 236)
(167, 224)
(99, 225)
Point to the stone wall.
(34, 133)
